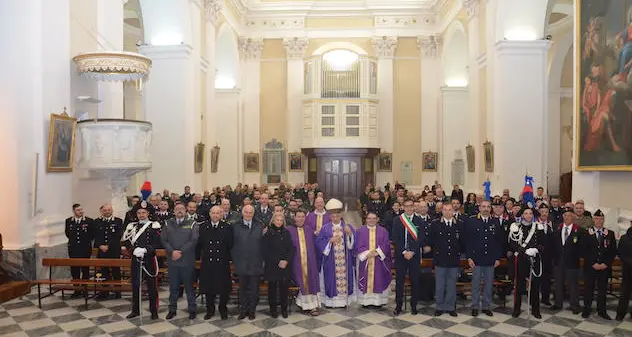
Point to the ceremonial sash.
(410, 227)
(140, 232)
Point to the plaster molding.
(393, 21)
(212, 10)
(166, 52)
(250, 48)
(295, 47)
(429, 46)
(471, 7)
(204, 63)
(384, 46)
(275, 23)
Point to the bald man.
(107, 239)
(319, 217)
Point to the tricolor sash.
(410, 227)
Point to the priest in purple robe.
(305, 265)
(335, 244)
(373, 249)
(318, 217)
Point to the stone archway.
(226, 59)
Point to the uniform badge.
(575, 240)
(113, 230)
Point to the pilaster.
(110, 33)
(250, 50)
(295, 48)
(455, 131)
(475, 117)
(431, 74)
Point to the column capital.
(429, 46)
(295, 47)
(212, 9)
(384, 46)
(471, 7)
(250, 48)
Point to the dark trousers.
(280, 289)
(545, 281)
(150, 266)
(591, 277)
(248, 293)
(570, 278)
(80, 273)
(181, 275)
(522, 274)
(626, 289)
(110, 273)
(223, 302)
(410, 267)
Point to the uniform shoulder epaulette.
(156, 225)
(130, 226)
(474, 216)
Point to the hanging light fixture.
(113, 66)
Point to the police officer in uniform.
(79, 231)
(108, 230)
(142, 238)
(527, 242)
(599, 252)
(215, 241)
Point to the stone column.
(295, 48)
(454, 130)
(384, 48)
(431, 74)
(250, 53)
(212, 10)
(110, 16)
(169, 106)
(520, 113)
(475, 120)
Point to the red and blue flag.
(145, 190)
(527, 191)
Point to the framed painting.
(603, 120)
(198, 163)
(385, 162)
(214, 158)
(61, 143)
(251, 162)
(430, 161)
(471, 159)
(296, 161)
(488, 149)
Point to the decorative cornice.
(295, 47)
(394, 21)
(276, 23)
(429, 46)
(250, 48)
(384, 46)
(212, 9)
(471, 7)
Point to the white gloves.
(140, 252)
(531, 251)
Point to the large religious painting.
(61, 143)
(604, 85)
(430, 161)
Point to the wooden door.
(341, 178)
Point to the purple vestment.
(382, 273)
(312, 262)
(329, 263)
(310, 220)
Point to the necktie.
(600, 236)
(485, 220)
(449, 223)
(566, 233)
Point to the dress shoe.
(397, 311)
(585, 313)
(576, 311)
(474, 312)
(515, 313)
(452, 313)
(414, 311)
(242, 315)
(620, 317)
(154, 316)
(546, 302)
(274, 314)
(537, 315)
(284, 313)
(438, 313)
(223, 313)
(251, 316)
(171, 315)
(207, 316)
(554, 308)
(488, 312)
(605, 316)
(132, 315)
(192, 315)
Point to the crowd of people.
(291, 236)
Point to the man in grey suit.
(248, 260)
(179, 237)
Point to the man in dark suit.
(566, 250)
(599, 251)
(79, 231)
(263, 212)
(408, 238)
(187, 196)
(625, 253)
(108, 231)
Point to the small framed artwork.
(430, 161)
(385, 162)
(251, 162)
(61, 143)
(198, 164)
(488, 148)
(296, 161)
(471, 159)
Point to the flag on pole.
(145, 190)
(527, 191)
(488, 189)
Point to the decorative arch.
(226, 58)
(455, 55)
(339, 45)
(522, 20)
(166, 22)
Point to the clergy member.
(305, 265)
(373, 249)
(335, 244)
(319, 217)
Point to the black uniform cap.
(598, 213)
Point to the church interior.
(101, 96)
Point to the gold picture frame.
(251, 162)
(430, 161)
(385, 162)
(296, 161)
(470, 156)
(61, 143)
(198, 160)
(488, 154)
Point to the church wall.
(364, 43)
(273, 92)
(483, 112)
(566, 135)
(340, 23)
(407, 111)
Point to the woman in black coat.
(278, 252)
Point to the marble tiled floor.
(22, 317)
